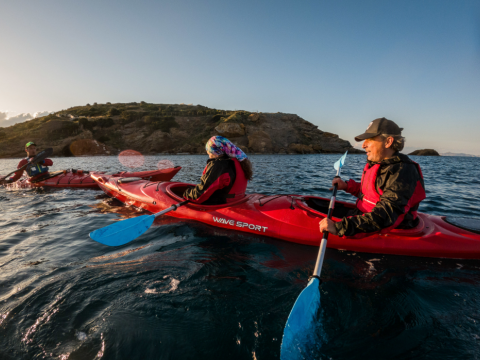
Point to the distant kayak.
(81, 179)
(295, 218)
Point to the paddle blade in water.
(122, 232)
(299, 333)
(340, 162)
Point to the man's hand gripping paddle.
(301, 321)
(123, 232)
(42, 155)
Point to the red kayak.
(81, 179)
(295, 218)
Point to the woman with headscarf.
(225, 177)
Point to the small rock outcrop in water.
(103, 129)
(425, 152)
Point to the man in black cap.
(391, 189)
(33, 170)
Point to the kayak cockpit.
(469, 224)
(321, 205)
(176, 190)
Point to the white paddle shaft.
(323, 244)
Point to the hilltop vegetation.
(163, 128)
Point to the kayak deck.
(296, 219)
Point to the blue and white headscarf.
(218, 145)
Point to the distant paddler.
(35, 169)
(224, 179)
(391, 189)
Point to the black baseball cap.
(380, 126)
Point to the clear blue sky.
(338, 64)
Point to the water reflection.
(187, 290)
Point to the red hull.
(291, 218)
(84, 181)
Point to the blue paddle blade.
(340, 162)
(122, 232)
(299, 334)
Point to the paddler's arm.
(390, 210)
(46, 162)
(17, 175)
(214, 178)
(350, 186)
(328, 225)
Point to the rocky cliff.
(102, 129)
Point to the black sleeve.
(399, 188)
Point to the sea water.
(185, 290)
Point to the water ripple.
(186, 290)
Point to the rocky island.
(107, 129)
(425, 152)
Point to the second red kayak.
(296, 219)
(81, 179)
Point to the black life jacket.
(35, 169)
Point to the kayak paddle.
(123, 232)
(301, 321)
(42, 155)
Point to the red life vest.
(236, 192)
(239, 186)
(371, 196)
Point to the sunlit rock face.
(260, 141)
(230, 130)
(88, 147)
